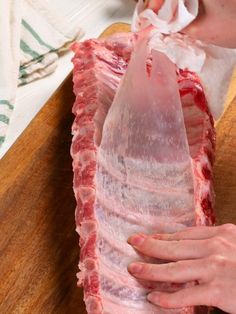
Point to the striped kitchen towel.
(32, 36)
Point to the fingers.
(193, 296)
(170, 250)
(208, 25)
(180, 272)
(199, 233)
(194, 233)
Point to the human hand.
(215, 23)
(203, 254)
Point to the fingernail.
(136, 240)
(153, 297)
(135, 268)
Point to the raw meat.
(142, 159)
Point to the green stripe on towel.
(35, 35)
(23, 72)
(7, 103)
(22, 81)
(4, 119)
(2, 139)
(26, 49)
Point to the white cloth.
(213, 64)
(173, 16)
(31, 37)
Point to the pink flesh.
(151, 173)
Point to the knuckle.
(220, 242)
(221, 261)
(218, 262)
(229, 228)
(217, 243)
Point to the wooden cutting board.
(38, 244)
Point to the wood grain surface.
(38, 244)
